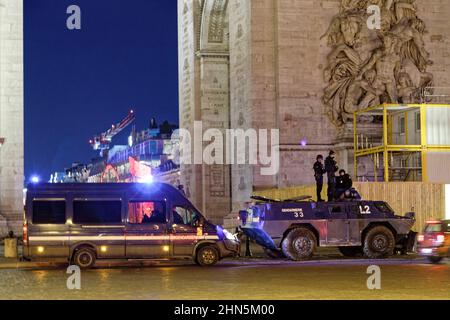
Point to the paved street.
(247, 279)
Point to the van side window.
(49, 212)
(146, 212)
(93, 212)
(184, 216)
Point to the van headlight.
(228, 235)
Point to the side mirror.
(243, 214)
(199, 223)
(411, 215)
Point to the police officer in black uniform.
(319, 171)
(343, 183)
(331, 168)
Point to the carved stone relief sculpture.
(369, 67)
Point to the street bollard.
(11, 246)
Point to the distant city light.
(35, 179)
(130, 141)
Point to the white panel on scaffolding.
(438, 126)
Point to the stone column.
(240, 94)
(11, 115)
(189, 15)
(215, 114)
(204, 96)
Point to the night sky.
(79, 82)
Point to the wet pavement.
(236, 280)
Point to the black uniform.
(331, 168)
(343, 183)
(319, 171)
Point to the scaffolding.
(397, 151)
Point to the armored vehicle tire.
(435, 260)
(207, 256)
(379, 243)
(351, 251)
(84, 258)
(299, 244)
(273, 254)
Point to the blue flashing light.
(146, 179)
(35, 179)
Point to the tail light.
(440, 239)
(421, 238)
(25, 233)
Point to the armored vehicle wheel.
(273, 254)
(435, 260)
(207, 256)
(351, 251)
(299, 244)
(84, 258)
(379, 243)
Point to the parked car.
(434, 243)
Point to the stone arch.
(214, 30)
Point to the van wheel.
(379, 243)
(84, 258)
(435, 260)
(207, 256)
(351, 252)
(299, 244)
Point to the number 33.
(299, 215)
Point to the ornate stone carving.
(217, 23)
(369, 67)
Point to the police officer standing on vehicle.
(319, 171)
(331, 168)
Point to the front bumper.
(229, 248)
(433, 252)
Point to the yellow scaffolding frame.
(387, 144)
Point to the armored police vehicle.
(295, 228)
(81, 223)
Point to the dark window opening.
(336, 209)
(49, 212)
(384, 207)
(97, 212)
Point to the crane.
(102, 141)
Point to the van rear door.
(146, 230)
(48, 233)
